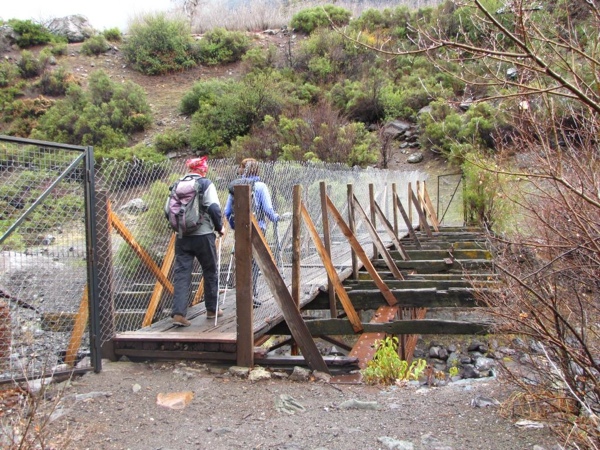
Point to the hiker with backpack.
(262, 207)
(194, 212)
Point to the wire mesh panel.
(43, 262)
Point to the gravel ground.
(119, 411)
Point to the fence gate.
(46, 272)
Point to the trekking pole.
(228, 277)
(218, 278)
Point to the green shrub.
(234, 109)
(386, 367)
(220, 46)
(30, 33)
(203, 92)
(171, 140)
(95, 45)
(59, 48)
(308, 20)
(157, 45)
(259, 59)
(102, 116)
(8, 73)
(55, 82)
(29, 66)
(113, 35)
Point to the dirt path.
(227, 412)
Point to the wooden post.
(327, 242)
(394, 209)
(422, 218)
(106, 306)
(243, 276)
(352, 225)
(372, 211)
(409, 203)
(296, 259)
(158, 288)
(411, 230)
(429, 206)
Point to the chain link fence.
(44, 272)
(137, 193)
(43, 258)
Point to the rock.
(511, 73)
(8, 37)
(300, 374)
(174, 400)
(136, 388)
(258, 374)
(395, 444)
(75, 28)
(134, 206)
(415, 158)
(483, 402)
(469, 371)
(484, 364)
(396, 128)
(358, 404)
(288, 405)
(321, 376)
(237, 371)
(428, 441)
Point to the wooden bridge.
(378, 282)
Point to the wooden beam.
(358, 250)
(352, 226)
(383, 251)
(430, 209)
(284, 299)
(296, 240)
(422, 218)
(425, 326)
(331, 272)
(139, 250)
(78, 329)
(327, 243)
(390, 231)
(158, 287)
(370, 299)
(407, 221)
(394, 209)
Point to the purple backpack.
(184, 209)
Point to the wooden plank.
(296, 240)
(284, 300)
(422, 218)
(370, 299)
(181, 335)
(78, 329)
(425, 326)
(331, 272)
(383, 251)
(139, 250)
(390, 231)
(176, 354)
(158, 288)
(373, 216)
(407, 221)
(358, 250)
(394, 209)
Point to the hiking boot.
(181, 321)
(212, 314)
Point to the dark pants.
(186, 249)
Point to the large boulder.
(7, 37)
(75, 28)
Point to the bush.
(55, 82)
(171, 140)
(113, 35)
(8, 73)
(29, 66)
(59, 48)
(310, 19)
(386, 366)
(234, 110)
(96, 45)
(203, 92)
(157, 45)
(102, 116)
(30, 33)
(220, 46)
